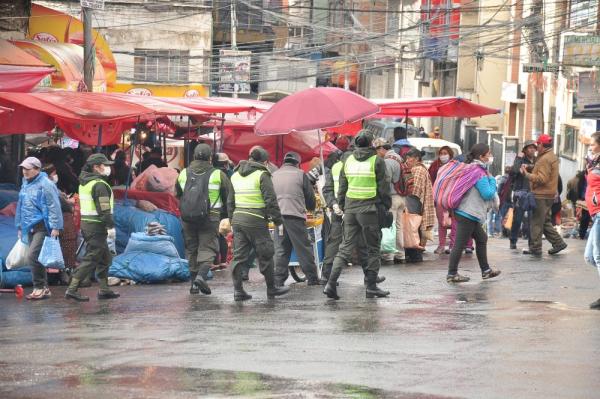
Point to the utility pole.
(538, 53)
(398, 74)
(234, 43)
(89, 53)
(347, 51)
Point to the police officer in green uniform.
(97, 203)
(250, 204)
(335, 237)
(363, 186)
(201, 237)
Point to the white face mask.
(54, 178)
(490, 160)
(105, 171)
(444, 158)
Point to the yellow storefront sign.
(159, 90)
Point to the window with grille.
(171, 66)
(569, 141)
(583, 14)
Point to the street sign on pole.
(539, 67)
(93, 4)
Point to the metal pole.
(165, 147)
(321, 153)
(406, 122)
(187, 146)
(99, 146)
(131, 154)
(346, 38)
(88, 49)
(222, 138)
(234, 41)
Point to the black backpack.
(194, 204)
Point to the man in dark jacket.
(295, 195)
(364, 186)
(97, 203)
(201, 236)
(520, 191)
(251, 203)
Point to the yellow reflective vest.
(89, 213)
(214, 187)
(362, 182)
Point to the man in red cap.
(544, 186)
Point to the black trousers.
(465, 229)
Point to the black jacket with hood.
(351, 205)
(101, 195)
(271, 211)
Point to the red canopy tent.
(434, 106)
(81, 115)
(219, 105)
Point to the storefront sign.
(581, 50)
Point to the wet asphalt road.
(528, 334)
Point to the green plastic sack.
(388, 240)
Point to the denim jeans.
(592, 248)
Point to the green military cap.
(98, 159)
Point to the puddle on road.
(173, 382)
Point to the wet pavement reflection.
(527, 334)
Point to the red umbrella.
(316, 108)
(435, 106)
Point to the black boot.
(380, 279)
(238, 289)
(272, 290)
(194, 290)
(108, 294)
(71, 292)
(325, 272)
(245, 273)
(331, 287)
(372, 289)
(201, 285)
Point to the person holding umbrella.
(363, 188)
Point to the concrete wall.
(127, 25)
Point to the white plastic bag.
(17, 257)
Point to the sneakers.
(447, 251)
(457, 278)
(595, 305)
(39, 294)
(513, 245)
(490, 273)
(469, 251)
(555, 250)
(439, 250)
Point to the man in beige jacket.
(544, 186)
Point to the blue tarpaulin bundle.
(150, 259)
(129, 220)
(11, 278)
